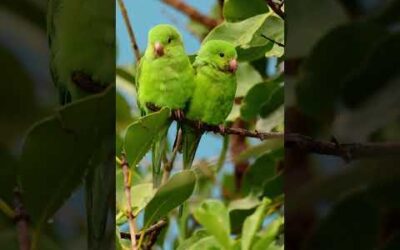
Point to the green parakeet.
(214, 92)
(81, 36)
(165, 78)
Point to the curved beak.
(158, 49)
(233, 65)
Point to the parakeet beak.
(158, 49)
(233, 65)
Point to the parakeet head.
(163, 38)
(220, 54)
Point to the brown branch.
(347, 151)
(154, 228)
(22, 220)
(219, 129)
(86, 83)
(127, 189)
(194, 14)
(277, 8)
(128, 24)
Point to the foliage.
(248, 216)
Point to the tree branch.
(347, 151)
(127, 189)
(168, 167)
(128, 24)
(22, 220)
(277, 8)
(154, 228)
(194, 14)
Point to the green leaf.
(274, 187)
(141, 134)
(237, 10)
(239, 210)
(208, 243)
(141, 194)
(58, 150)
(252, 224)
(268, 235)
(246, 35)
(213, 215)
(190, 242)
(169, 196)
(263, 99)
(260, 172)
(247, 76)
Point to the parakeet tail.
(158, 151)
(190, 141)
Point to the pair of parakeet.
(205, 91)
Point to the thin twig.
(277, 8)
(347, 151)
(156, 227)
(273, 41)
(127, 189)
(168, 167)
(128, 24)
(22, 220)
(194, 14)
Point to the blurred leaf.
(237, 10)
(172, 194)
(190, 242)
(9, 241)
(246, 77)
(213, 215)
(261, 171)
(141, 134)
(275, 121)
(8, 176)
(262, 99)
(127, 73)
(274, 187)
(209, 243)
(325, 71)
(28, 10)
(57, 152)
(252, 224)
(122, 113)
(141, 194)
(309, 20)
(389, 15)
(381, 66)
(352, 224)
(393, 243)
(260, 149)
(239, 210)
(268, 235)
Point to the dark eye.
(221, 54)
(170, 40)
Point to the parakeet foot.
(179, 114)
(199, 125)
(152, 107)
(222, 129)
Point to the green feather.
(214, 93)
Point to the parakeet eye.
(169, 39)
(221, 54)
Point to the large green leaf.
(252, 224)
(247, 76)
(141, 134)
(8, 176)
(169, 196)
(239, 210)
(209, 243)
(237, 10)
(268, 235)
(190, 242)
(213, 215)
(58, 150)
(247, 36)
